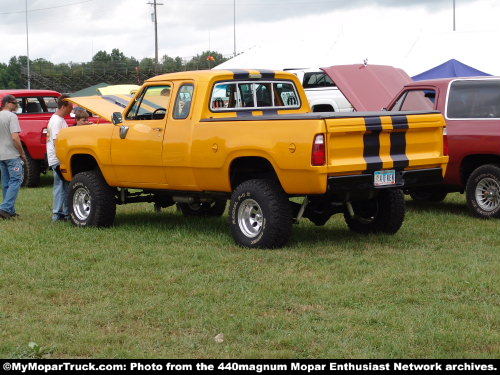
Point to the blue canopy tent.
(451, 68)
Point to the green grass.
(161, 285)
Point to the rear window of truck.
(36, 104)
(474, 99)
(255, 95)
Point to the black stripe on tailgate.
(398, 141)
(371, 142)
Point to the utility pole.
(155, 20)
(27, 46)
(234, 26)
(454, 28)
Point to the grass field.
(161, 285)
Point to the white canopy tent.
(414, 54)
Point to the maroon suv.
(471, 107)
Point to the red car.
(471, 107)
(34, 111)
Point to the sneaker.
(4, 215)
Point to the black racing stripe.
(267, 74)
(244, 114)
(116, 100)
(240, 73)
(398, 141)
(371, 141)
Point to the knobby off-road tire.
(215, 208)
(32, 170)
(383, 214)
(430, 194)
(260, 215)
(483, 191)
(91, 200)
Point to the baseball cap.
(8, 99)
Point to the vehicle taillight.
(43, 136)
(318, 156)
(445, 142)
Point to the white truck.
(322, 93)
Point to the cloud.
(186, 27)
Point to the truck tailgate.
(400, 140)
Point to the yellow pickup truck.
(200, 138)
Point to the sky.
(74, 30)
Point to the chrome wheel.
(81, 204)
(488, 194)
(250, 218)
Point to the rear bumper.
(404, 180)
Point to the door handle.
(157, 129)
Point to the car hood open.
(368, 87)
(104, 106)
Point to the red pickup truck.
(34, 111)
(471, 107)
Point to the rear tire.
(215, 208)
(483, 192)
(428, 195)
(383, 214)
(32, 170)
(260, 215)
(91, 200)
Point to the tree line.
(112, 68)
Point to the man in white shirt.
(57, 122)
(12, 157)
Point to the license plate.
(383, 178)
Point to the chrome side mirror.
(123, 131)
(117, 118)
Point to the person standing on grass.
(56, 123)
(12, 157)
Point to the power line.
(54, 7)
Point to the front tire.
(383, 214)
(260, 215)
(91, 200)
(483, 191)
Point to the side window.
(183, 101)
(416, 100)
(33, 105)
(246, 94)
(264, 94)
(397, 105)
(224, 95)
(285, 95)
(50, 103)
(317, 79)
(152, 104)
(479, 99)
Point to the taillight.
(43, 136)
(445, 142)
(318, 156)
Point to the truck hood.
(104, 106)
(368, 87)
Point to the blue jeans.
(12, 178)
(60, 209)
